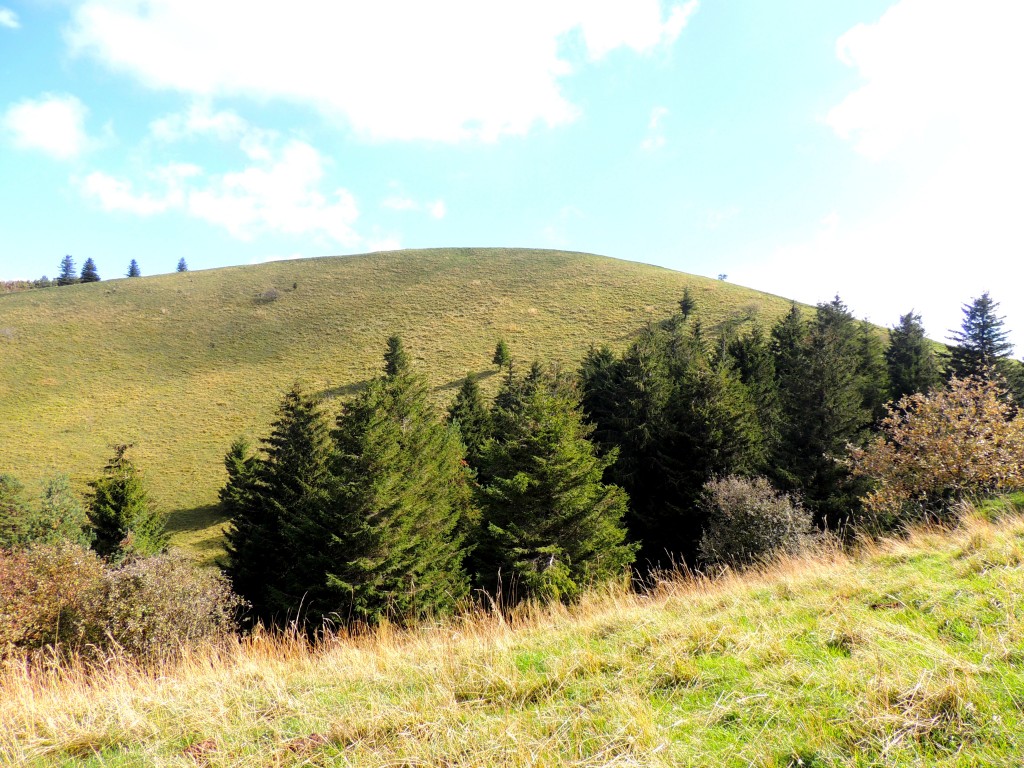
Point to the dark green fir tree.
(502, 357)
(133, 269)
(911, 360)
(120, 511)
(551, 525)
(469, 413)
(182, 265)
(89, 273)
(66, 276)
(982, 343)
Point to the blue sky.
(870, 148)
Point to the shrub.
(936, 449)
(155, 606)
(748, 521)
(51, 596)
(62, 598)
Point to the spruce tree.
(981, 344)
(182, 265)
(755, 364)
(394, 536)
(14, 512)
(600, 384)
(89, 273)
(910, 358)
(133, 269)
(67, 272)
(124, 519)
(551, 525)
(821, 381)
(472, 418)
(502, 357)
(272, 500)
(874, 373)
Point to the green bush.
(748, 521)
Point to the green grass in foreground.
(181, 364)
(911, 653)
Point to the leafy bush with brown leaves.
(935, 449)
(748, 521)
(64, 599)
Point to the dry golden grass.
(181, 364)
(908, 653)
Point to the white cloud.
(279, 195)
(655, 138)
(199, 120)
(52, 124)
(399, 70)
(938, 110)
(9, 19)
(437, 208)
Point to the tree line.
(67, 275)
(565, 479)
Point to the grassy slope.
(909, 654)
(181, 364)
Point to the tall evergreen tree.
(89, 273)
(873, 372)
(124, 519)
(910, 358)
(469, 413)
(133, 269)
(551, 524)
(182, 265)
(600, 386)
(752, 356)
(14, 512)
(502, 357)
(67, 272)
(271, 500)
(981, 344)
(394, 537)
(821, 387)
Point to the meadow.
(181, 364)
(904, 652)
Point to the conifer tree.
(910, 358)
(13, 513)
(271, 499)
(67, 272)
(62, 514)
(471, 416)
(755, 364)
(551, 525)
(133, 269)
(89, 273)
(394, 537)
(821, 388)
(981, 343)
(873, 372)
(124, 519)
(502, 357)
(182, 265)
(600, 384)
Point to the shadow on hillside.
(196, 519)
(344, 390)
(456, 383)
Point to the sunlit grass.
(181, 364)
(908, 653)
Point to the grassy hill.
(908, 653)
(181, 364)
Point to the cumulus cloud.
(54, 124)
(9, 19)
(938, 111)
(280, 194)
(198, 120)
(655, 138)
(436, 209)
(396, 70)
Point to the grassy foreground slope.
(911, 653)
(181, 364)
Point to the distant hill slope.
(181, 364)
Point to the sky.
(866, 148)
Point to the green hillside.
(180, 364)
(908, 654)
